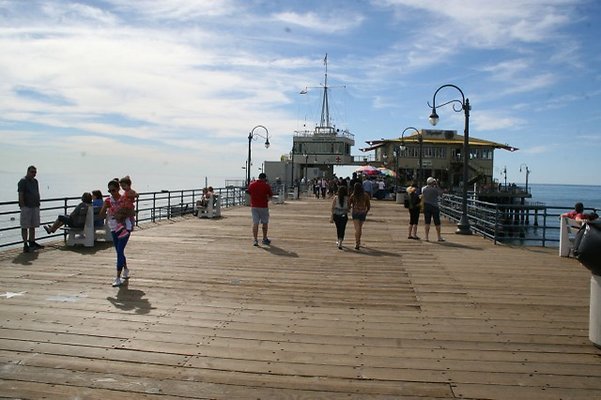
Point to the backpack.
(587, 246)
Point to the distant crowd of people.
(327, 188)
(352, 196)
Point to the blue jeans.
(120, 244)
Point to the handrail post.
(496, 224)
(154, 207)
(545, 226)
(168, 204)
(65, 205)
(137, 208)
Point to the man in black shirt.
(29, 203)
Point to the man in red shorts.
(260, 193)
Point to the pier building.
(315, 152)
(441, 156)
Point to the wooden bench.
(567, 232)
(211, 210)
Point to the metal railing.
(150, 207)
(529, 224)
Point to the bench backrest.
(568, 228)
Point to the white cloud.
(491, 121)
(77, 13)
(540, 149)
(491, 24)
(335, 22)
(178, 9)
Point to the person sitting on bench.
(97, 202)
(77, 218)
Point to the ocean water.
(566, 195)
(57, 185)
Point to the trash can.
(400, 198)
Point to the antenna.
(325, 106)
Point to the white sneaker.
(125, 274)
(118, 282)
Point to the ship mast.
(325, 107)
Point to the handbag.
(587, 246)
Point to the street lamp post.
(420, 141)
(306, 167)
(527, 173)
(251, 136)
(463, 227)
(397, 154)
(292, 168)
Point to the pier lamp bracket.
(252, 136)
(463, 227)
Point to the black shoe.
(35, 246)
(25, 248)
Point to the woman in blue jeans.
(110, 206)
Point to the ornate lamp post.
(527, 173)
(306, 167)
(420, 141)
(251, 136)
(463, 227)
(397, 178)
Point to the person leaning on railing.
(578, 214)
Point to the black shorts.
(414, 216)
(431, 212)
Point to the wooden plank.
(207, 315)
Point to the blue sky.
(168, 90)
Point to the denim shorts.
(360, 216)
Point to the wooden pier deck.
(208, 316)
